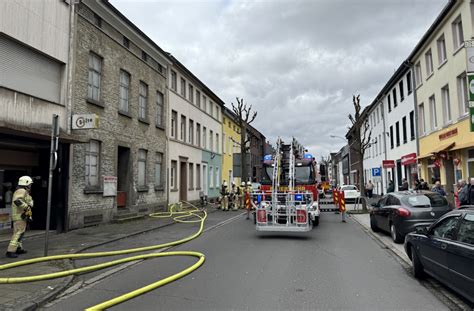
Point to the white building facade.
(400, 128)
(195, 137)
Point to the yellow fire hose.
(178, 216)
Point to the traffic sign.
(376, 171)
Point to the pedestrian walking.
(224, 197)
(404, 186)
(22, 203)
(370, 189)
(423, 185)
(467, 197)
(460, 193)
(438, 188)
(391, 187)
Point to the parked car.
(351, 193)
(401, 212)
(445, 250)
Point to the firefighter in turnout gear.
(233, 197)
(242, 195)
(224, 197)
(21, 215)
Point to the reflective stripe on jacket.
(21, 201)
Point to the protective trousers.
(225, 203)
(19, 228)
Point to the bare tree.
(362, 140)
(243, 117)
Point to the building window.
(174, 81)
(144, 56)
(470, 162)
(142, 167)
(404, 130)
(402, 95)
(183, 128)
(391, 137)
(198, 99)
(143, 101)
(174, 123)
(218, 181)
(183, 87)
(412, 125)
(421, 118)
(433, 114)
(217, 143)
(394, 93)
(198, 134)
(211, 107)
(126, 42)
(191, 132)
(446, 104)
(458, 35)
(418, 76)
(92, 163)
(95, 72)
(159, 109)
(224, 145)
(191, 94)
(124, 91)
(173, 174)
(409, 86)
(389, 103)
(441, 50)
(159, 170)
(231, 145)
(191, 176)
(462, 94)
(204, 137)
(397, 130)
(429, 63)
(380, 144)
(198, 176)
(211, 177)
(211, 142)
(204, 103)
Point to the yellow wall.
(229, 147)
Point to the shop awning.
(426, 155)
(446, 147)
(462, 146)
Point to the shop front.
(29, 155)
(409, 163)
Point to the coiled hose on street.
(181, 216)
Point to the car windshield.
(426, 200)
(344, 188)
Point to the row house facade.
(446, 143)
(35, 81)
(230, 146)
(195, 136)
(119, 76)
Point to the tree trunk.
(243, 153)
(360, 168)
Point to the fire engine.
(288, 198)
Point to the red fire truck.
(288, 186)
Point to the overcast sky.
(297, 62)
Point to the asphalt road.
(335, 266)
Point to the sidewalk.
(28, 296)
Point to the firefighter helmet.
(242, 184)
(25, 181)
(249, 183)
(225, 183)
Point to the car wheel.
(316, 221)
(396, 237)
(373, 224)
(416, 266)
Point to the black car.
(445, 250)
(401, 212)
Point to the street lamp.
(343, 138)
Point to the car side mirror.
(422, 230)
